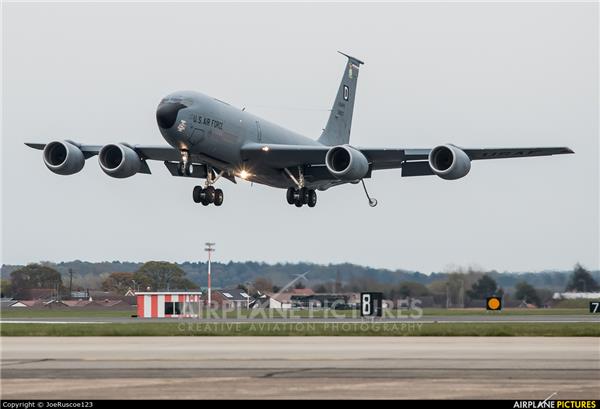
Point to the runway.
(299, 367)
(531, 319)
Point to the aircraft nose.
(166, 114)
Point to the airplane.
(209, 139)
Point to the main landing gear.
(207, 195)
(302, 196)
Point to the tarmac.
(300, 367)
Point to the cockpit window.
(177, 100)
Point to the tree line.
(458, 287)
(91, 275)
(150, 276)
(160, 275)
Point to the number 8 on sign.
(366, 304)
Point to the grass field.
(303, 329)
(70, 313)
(63, 313)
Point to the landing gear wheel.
(312, 198)
(210, 194)
(197, 194)
(291, 195)
(303, 195)
(207, 195)
(218, 197)
(298, 203)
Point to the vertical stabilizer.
(337, 131)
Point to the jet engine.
(119, 160)
(449, 162)
(346, 163)
(63, 158)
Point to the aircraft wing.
(475, 154)
(284, 156)
(169, 155)
(88, 150)
(414, 160)
(145, 151)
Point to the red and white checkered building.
(168, 304)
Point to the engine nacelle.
(346, 163)
(449, 162)
(119, 161)
(63, 158)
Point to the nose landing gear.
(185, 167)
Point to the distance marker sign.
(371, 304)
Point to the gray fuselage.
(213, 132)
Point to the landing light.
(244, 174)
(265, 149)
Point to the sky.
(476, 75)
